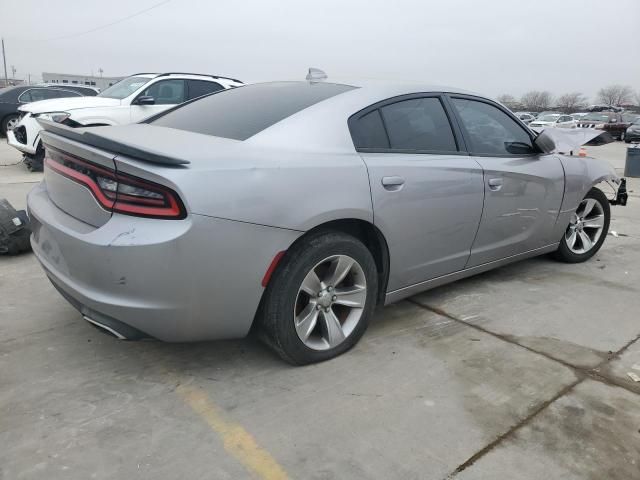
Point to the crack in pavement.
(580, 372)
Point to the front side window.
(418, 124)
(61, 94)
(37, 94)
(124, 88)
(166, 92)
(490, 131)
(198, 88)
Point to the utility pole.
(100, 70)
(4, 60)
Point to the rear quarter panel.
(272, 187)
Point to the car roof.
(301, 130)
(186, 74)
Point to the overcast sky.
(490, 46)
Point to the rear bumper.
(184, 280)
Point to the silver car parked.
(297, 207)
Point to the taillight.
(116, 191)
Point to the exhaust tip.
(105, 328)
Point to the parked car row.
(610, 120)
(129, 101)
(12, 98)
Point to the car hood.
(66, 104)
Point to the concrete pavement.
(518, 373)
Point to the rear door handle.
(495, 184)
(392, 183)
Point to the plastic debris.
(633, 376)
(614, 233)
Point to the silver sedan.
(298, 207)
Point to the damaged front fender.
(581, 174)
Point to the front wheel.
(9, 123)
(587, 229)
(320, 299)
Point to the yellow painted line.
(237, 441)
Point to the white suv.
(128, 101)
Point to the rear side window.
(240, 113)
(418, 124)
(490, 130)
(368, 131)
(198, 88)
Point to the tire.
(285, 300)
(7, 122)
(573, 249)
(35, 163)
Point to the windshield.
(548, 118)
(124, 88)
(596, 117)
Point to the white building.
(69, 79)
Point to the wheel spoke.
(588, 206)
(571, 240)
(594, 222)
(306, 321)
(332, 329)
(586, 241)
(354, 296)
(338, 270)
(311, 284)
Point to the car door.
(165, 94)
(426, 191)
(523, 188)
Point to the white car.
(129, 101)
(553, 120)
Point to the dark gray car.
(297, 207)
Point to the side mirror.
(145, 100)
(519, 148)
(544, 142)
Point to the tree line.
(537, 101)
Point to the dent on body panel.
(580, 175)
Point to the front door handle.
(393, 183)
(495, 184)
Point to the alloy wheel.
(330, 302)
(585, 227)
(12, 123)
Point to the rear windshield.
(240, 113)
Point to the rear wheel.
(587, 229)
(320, 299)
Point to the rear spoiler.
(104, 143)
